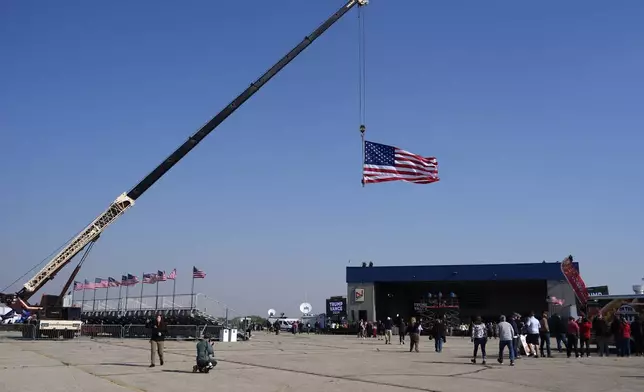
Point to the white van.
(286, 324)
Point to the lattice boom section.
(116, 209)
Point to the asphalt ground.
(300, 363)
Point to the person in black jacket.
(402, 330)
(515, 337)
(414, 334)
(602, 335)
(438, 333)
(158, 331)
(559, 328)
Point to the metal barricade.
(18, 331)
(136, 331)
(113, 331)
(182, 332)
(102, 331)
(175, 332)
(212, 331)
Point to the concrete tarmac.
(300, 363)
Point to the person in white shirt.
(479, 338)
(505, 331)
(533, 325)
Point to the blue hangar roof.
(472, 272)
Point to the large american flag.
(161, 277)
(197, 273)
(384, 163)
(78, 286)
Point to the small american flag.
(100, 283)
(161, 276)
(173, 274)
(384, 163)
(78, 286)
(111, 282)
(88, 285)
(149, 278)
(132, 280)
(197, 273)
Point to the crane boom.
(126, 200)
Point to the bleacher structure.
(140, 310)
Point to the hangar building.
(486, 290)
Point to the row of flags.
(383, 163)
(132, 280)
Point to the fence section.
(17, 331)
(115, 331)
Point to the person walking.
(602, 333)
(533, 326)
(402, 331)
(157, 338)
(585, 328)
(544, 335)
(389, 324)
(559, 329)
(625, 338)
(414, 334)
(438, 333)
(572, 337)
(506, 333)
(515, 340)
(479, 338)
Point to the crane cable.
(362, 66)
(41, 262)
(362, 81)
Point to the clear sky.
(534, 110)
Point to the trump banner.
(574, 279)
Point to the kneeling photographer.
(205, 355)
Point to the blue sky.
(534, 110)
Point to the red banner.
(575, 280)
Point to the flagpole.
(118, 306)
(127, 291)
(192, 290)
(141, 300)
(363, 129)
(107, 292)
(174, 289)
(94, 301)
(83, 298)
(73, 292)
(156, 301)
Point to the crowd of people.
(529, 335)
